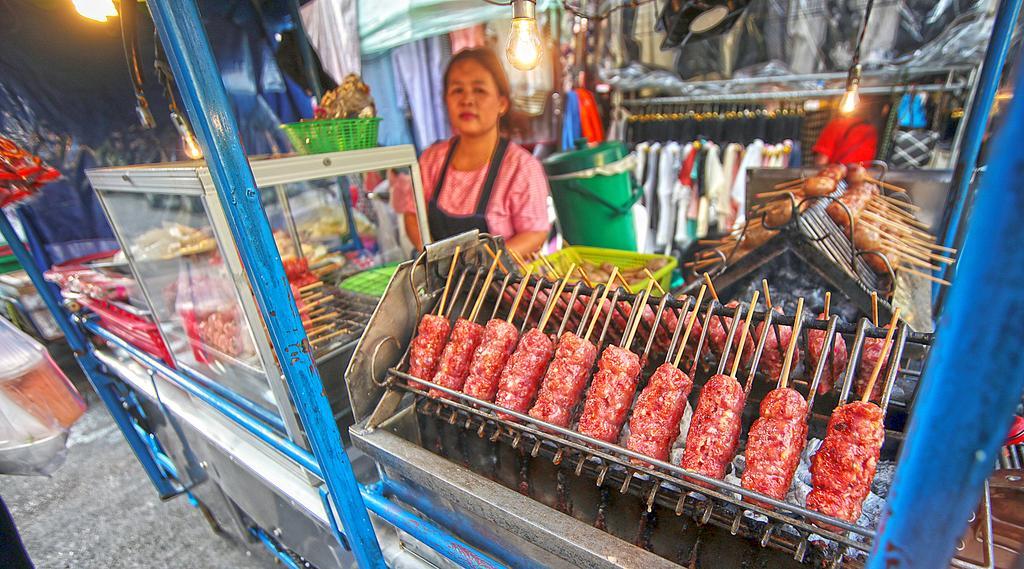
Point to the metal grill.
(783, 525)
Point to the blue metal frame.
(202, 91)
(974, 375)
(974, 131)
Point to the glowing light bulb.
(848, 103)
(191, 146)
(524, 45)
(98, 10)
(851, 97)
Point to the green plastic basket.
(372, 282)
(332, 135)
(624, 260)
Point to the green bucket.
(594, 195)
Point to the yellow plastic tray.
(624, 260)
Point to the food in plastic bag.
(211, 313)
(37, 406)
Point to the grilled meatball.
(565, 380)
(498, 343)
(610, 394)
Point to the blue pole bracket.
(202, 92)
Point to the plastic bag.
(37, 406)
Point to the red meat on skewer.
(775, 442)
(498, 342)
(844, 466)
(425, 350)
(715, 428)
(457, 355)
(610, 394)
(565, 380)
(525, 368)
(835, 365)
(654, 424)
(873, 350)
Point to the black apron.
(443, 225)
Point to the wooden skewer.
(519, 294)
(551, 268)
(554, 296)
(916, 252)
(518, 259)
(448, 282)
(828, 301)
(789, 184)
(639, 315)
(312, 305)
(743, 335)
(787, 366)
(910, 259)
(319, 329)
(886, 185)
(883, 207)
(874, 308)
(689, 326)
(484, 289)
(896, 224)
(625, 283)
(711, 286)
(311, 286)
(311, 297)
(901, 203)
(767, 293)
(324, 317)
(326, 269)
(657, 285)
(600, 303)
(885, 355)
(494, 255)
(703, 263)
(323, 339)
(586, 277)
(925, 276)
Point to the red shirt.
(519, 199)
(846, 140)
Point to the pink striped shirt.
(518, 199)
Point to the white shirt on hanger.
(668, 174)
(751, 159)
(681, 194)
(715, 188)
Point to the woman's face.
(474, 104)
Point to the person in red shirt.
(847, 140)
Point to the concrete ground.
(99, 511)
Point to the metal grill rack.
(805, 534)
(816, 239)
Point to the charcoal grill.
(546, 495)
(820, 245)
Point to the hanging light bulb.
(851, 97)
(188, 140)
(98, 10)
(524, 45)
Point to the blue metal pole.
(977, 124)
(202, 91)
(973, 379)
(92, 368)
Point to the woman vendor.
(478, 179)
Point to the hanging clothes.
(715, 188)
(572, 129)
(684, 196)
(590, 116)
(668, 164)
(419, 81)
(379, 74)
(333, 30)
(751, 159)
(650, 190)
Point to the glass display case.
(331, 217)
